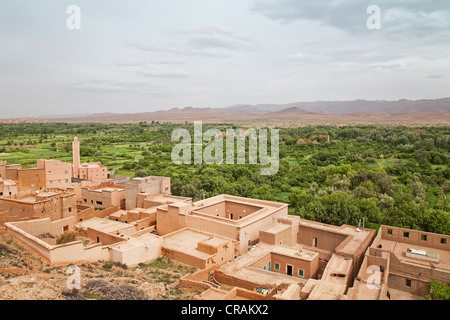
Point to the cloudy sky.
(148, 55)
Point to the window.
(277, 266)
(301, 273)
(99, 202)
(389, 231)
(406, 234)
(314, 244)
(424, 237)
(408, 283)
(85, 200)
(443, 241)
(66, 172)
(70, 209)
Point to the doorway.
(289, 269)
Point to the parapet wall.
(73, 252)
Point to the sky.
(147, 55)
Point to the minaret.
(76, 157)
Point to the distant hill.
(358, 111)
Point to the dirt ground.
(24, 275)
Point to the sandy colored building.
(57, 173)
(244, 248)
(8, 188)
(87, 170)
(228, 216)
(199, 249)
(53, 204)
(103, 195)
(142, 187)
(297, 258)
(400, 263)
(46, 174)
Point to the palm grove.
(391, 175)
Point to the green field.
(392, 176)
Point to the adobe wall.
(102, 237)
(11, 171)
(90, 213)
(249, 234)
(145, 222)
(309, 268)
(415, 237)
(72, 252)
(97, 172)
(143, 253)
(32, 242)
(222, 228)
(224, 208)
(411, 271)
(224, 278)
(58, 174)
(198, 280)
(37, 227)
(169, 220)
(187, 258)
(282, 237)
(146, 204)
(133, 188)
(75, 252)
(31, 179)
(326, 240)
(238, 293)
(8, 188)
(55, 207)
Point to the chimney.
(76, 158)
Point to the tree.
(141, 173)
(438, 291)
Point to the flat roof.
(137, 241)
(241, 267)
(400, 249)
(104, 225)
(187, 240)
(276, 228)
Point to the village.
(242, 248)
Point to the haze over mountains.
(432, 111)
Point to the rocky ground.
(25, 276)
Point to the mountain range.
(432, 111)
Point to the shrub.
(67, 237)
